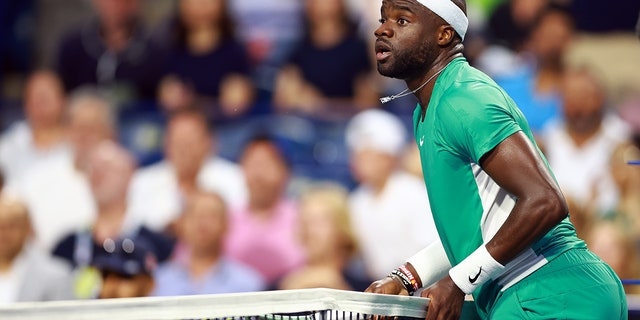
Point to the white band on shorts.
(450, 13)
(476, 269)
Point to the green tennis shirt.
(468, 115)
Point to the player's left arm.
(517, 167)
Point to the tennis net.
(311, 304)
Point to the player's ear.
(446, 34)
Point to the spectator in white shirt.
(41, 137)
(390, 209)
(190, 164)
(580, 146)
(57, 192)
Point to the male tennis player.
(502, 220)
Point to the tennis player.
(505, 234)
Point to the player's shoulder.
(472, 93)
(475, 90)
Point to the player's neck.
(424, 94)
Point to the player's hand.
(446, 300)
(387, 285)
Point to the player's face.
(404, 48)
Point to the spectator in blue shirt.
(535, 85)
(199, 266)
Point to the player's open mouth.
(383, 51)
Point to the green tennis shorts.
(574, 285)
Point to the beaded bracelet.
(409, 283)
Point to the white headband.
(450, 13)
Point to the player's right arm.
(427, 266)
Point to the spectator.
(269, 29)
(512, 21)
(534, 85)
(206, 58)
(331, 68)
(27, 273)
(389, 208)
(627, 180)
(329, 242)
(175, 95)
(126, 268)
(91, 120)
(42, 137)
(613, 241)
(262, 233)
(58, 193)
(111, 169)
(580, 146)
(190, 165)
(113, 52)
(627, 177)
(202, 268)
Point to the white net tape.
(287, 304)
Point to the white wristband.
(431, 263)
(478, 268)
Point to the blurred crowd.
(179, 147)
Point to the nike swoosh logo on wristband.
(474, 279)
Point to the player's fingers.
(374, 288)
(385, 286)
(378, 287)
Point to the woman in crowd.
(331, 66)
(328, 241)
(205, 58)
